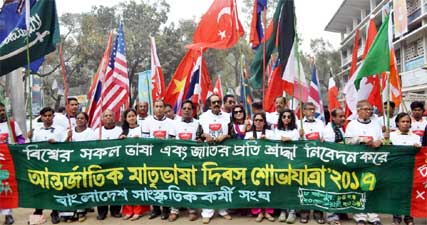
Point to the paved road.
(21, 217)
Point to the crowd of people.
(224, 119)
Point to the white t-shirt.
(107, 134)
(397, 138)
(186, 131)
(269, 135)
(392, 122)
(56, 133)
(86, 135)
(312, 130)
(329, 134)
(365, 132)
(214, 125)
(417, 127)
(292, 134)
(4, 132)
(141, 120)
(272, 119)
(155, 128)
(135, 132)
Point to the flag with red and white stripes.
(115, 86)
(157, 77)
(315, 95)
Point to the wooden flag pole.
(264, 61)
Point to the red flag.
(352, 70)
(157, 77)
(95, 90)
(375, 95)
(179, 86)
(274, 89)
(218, 88)
(333, 95)
(219, 28)
(256, 33)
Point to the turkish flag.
(218, 88)
(219, 28)
(157, 77)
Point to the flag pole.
(264, 63)
(150, 99)
(299, 86)
(64, 77)
(388, 102)
(30, 99)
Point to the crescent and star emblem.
(224, 11)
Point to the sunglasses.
(286, 117)
(259, 120)
(216, 102)
(238, 111)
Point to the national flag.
(115, 89)
(157, 77)
(187, 82)
(315, 95)
(294, 82)
(95, 90)
(218, 88)
(145, 89)
(282, 37)
(349, 90)
(333, 102)
(274, 87)
(245, 90)
(378, 58)
(13, 35)
(219, 28)
(257, 31)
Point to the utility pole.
(17, 98)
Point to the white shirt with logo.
(135, 132)
(86, 135)
(186, 131)
(214, 125)
(312, 130)
(158, 128)
(4, 132)
(417, 127)
(108, 134)
(56, 133)
(364, 132)
(292, 134)
(272, 119)
(397, 138)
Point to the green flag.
(44, 35)
(378, 58)
(258, 61)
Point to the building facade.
(410, 48)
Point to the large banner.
(234, 174)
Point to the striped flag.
(157, 77)
(115, 89)
(315, 96)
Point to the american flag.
(115, 84)
(315, 94)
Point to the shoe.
(192, 216)
(292, 217)
(397, 220)
(54, 218)
(164, 216)
(304, 218)
(153, 215)
(172, 217)
(260, 217)
(269, 217)
(376, 223)
(101, 217)
(135, 217)
(227, 217)
(282, 217)
(116, 215)
(206, 220)
(81, 218)
(8, 219)
(126, 217)
(361, 222)
(409, 220)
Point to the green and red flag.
(43, 37)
